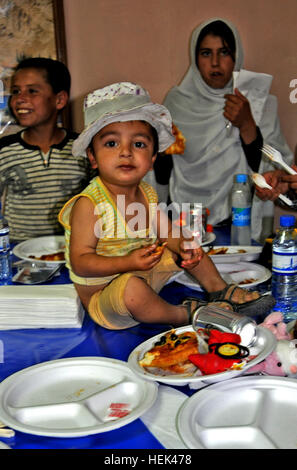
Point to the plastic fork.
(260, 181)
(276, 157)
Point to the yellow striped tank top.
(115, 236)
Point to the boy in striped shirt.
(38, 172)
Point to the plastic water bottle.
(241, 202)
(5, 254)
(195, 225)
(284, 268)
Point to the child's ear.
(61, 99)
(91, 158)
(153, 161)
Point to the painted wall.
(148, 42)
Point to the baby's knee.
(134, 285)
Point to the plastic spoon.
(260, 181)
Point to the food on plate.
(222, 250)
(183, 354)
(170, 354)
(178, 147)
(58, 256)
(118, 410)
(248, 281)
(217, 251)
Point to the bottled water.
(194, 222)
(284, 268)
(241, 202)
(5, 255)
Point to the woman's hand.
(291, 180)
(237, 110)
(275, 179)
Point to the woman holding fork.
(224, 113)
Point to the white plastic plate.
(4, 446)
(232, 273)
(245, 413)
(209, 238)
(263, 346)
(40, 246)
(232, 255)
(73, 397)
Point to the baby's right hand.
(145, 258)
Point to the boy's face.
(123, 152)
(33, 101)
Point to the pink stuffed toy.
(283, 360)
(274, 323)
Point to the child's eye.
(15, 91)
(32, 90)
(110, 143)
(140, 145)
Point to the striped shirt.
(35, 186)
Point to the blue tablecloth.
(24, 348)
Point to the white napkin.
(49, 306)
(160, 419)
(255, 87)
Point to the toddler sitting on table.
(113, 256)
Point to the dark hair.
(56, 73)
(218, 28)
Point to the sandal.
(261, 306)
(188, 303)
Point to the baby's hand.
(145, 258)
(191, 253)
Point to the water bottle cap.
(287, 220)
(241, 178)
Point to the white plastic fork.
(260, 181)
(276, 157)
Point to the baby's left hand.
(191, 253)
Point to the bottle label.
(241, 217)
(4, 242)
(284, 263)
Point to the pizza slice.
(170, 354)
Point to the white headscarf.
(204, 173)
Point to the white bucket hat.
(122, 102)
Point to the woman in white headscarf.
(225, 113)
